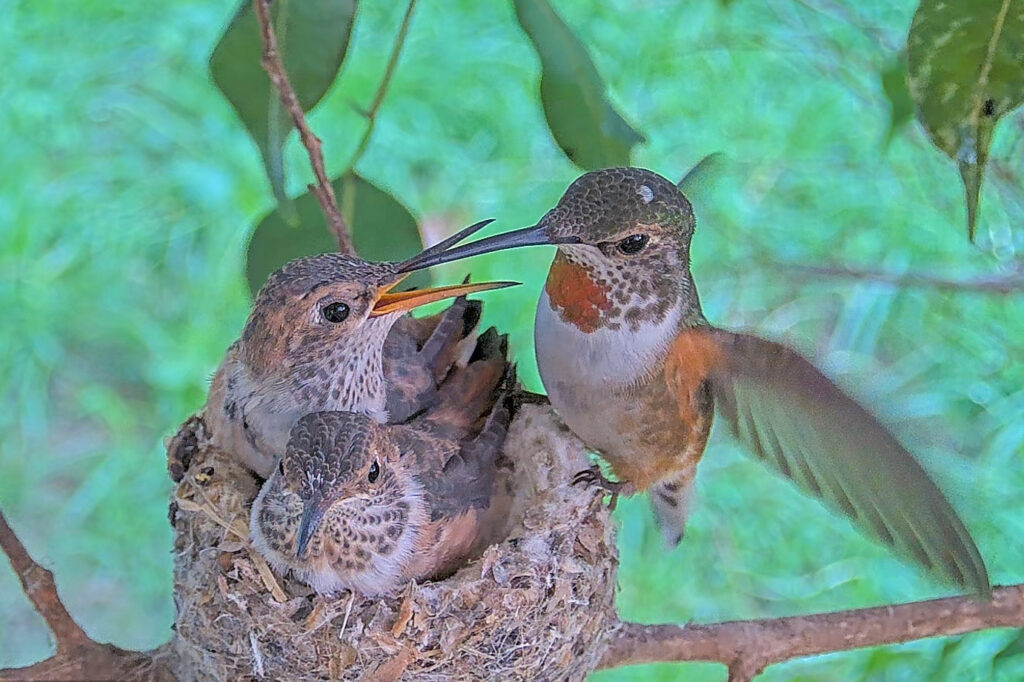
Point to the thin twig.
(747, 647)
(992, 284)
(323, 190)
(382, 89)
(77, 656)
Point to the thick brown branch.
(323, 190)
(78, 657)
(992, 284)
(747, 647)
(40, 588)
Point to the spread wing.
(800, 423)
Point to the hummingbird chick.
(355, 504)
(315, 341)
(634, 368)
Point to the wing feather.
(797, 421)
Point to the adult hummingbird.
(317, 340)
(355, 504)
(634, 368)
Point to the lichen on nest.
(537, 606)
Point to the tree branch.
(990, 284)
(323, 190)
(78, 657)
(385, 83)
(747, 647)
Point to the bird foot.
(183, 446)
(593, 477)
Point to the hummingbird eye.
(374, 472)
(335, 312)
(632, 244)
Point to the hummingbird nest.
(539, 605)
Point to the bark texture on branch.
(747, 647)
(77, 657)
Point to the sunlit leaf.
(584, 124)
(382, 229)
(312, 36)
(966, 62)
(897, 91)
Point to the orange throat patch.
(577, 298)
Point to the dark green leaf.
(966, 62)
(584, 124)
(382, 229)
(312, 36)
(897, 91)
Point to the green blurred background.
(128, 191)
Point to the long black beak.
(530, 236)
(312, 515)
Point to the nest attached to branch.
(537, 606)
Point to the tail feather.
(491, 438)
(440, 350)
(469, 392)
(419, 353)
(671, 499)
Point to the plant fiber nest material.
(538, 606)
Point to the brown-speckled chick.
(315, 341)
(358, 505)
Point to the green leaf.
(1015, 647)
(966, 61)
(312, 37)
(382, 229)
(897, 91)
(584, 124)
(702, 173)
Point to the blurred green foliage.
(129, 192)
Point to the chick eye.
(374, 472)
(335, 312)
(280, 466)
(634, 243)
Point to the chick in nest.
(319, 339)
(359, 505)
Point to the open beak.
(443, 253)
(389, 301)
(312, 515)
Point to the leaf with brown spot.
(966, 71)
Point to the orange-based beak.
(389, 301)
